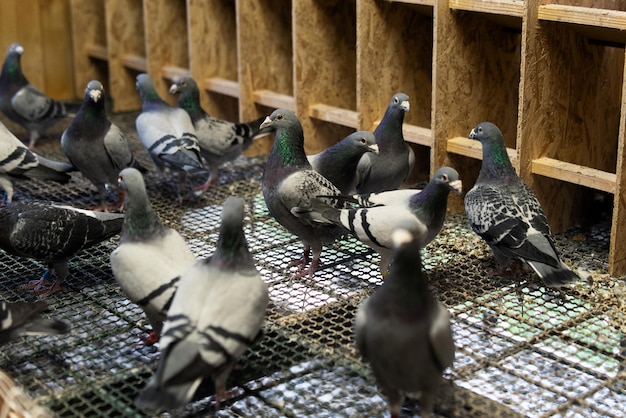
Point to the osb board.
(43, 29)
(265, 49)
(476, 76)
(88, 28)
(125, 35)
(166, 40)
(325, 65)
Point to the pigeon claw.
(149, 340)
(43, 287)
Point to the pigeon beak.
(472, 134)
(406, 106)
(173, 89)
(95, 95)
(267, 122)
(457, 186)
(374, 148)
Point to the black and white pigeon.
(167, 132)
(216, 314)
(151, 257)
(338, 162)
(289, 181)
(17, 162)
(22, 102)
(402, 331)
(97, 147)
(425, 210)
(53, 233)
(23, 318)
(388, 169)
(504, 211)
(220, 141)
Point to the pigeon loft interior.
(549, 73)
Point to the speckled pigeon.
(216, 314)
(23, 318)
(53, 233)
(402, 331)
(504, 211)
(388, 169)
(97, 147)
(151, 257)
(425, 210)
(167, 133)
(18, 162)
(22, 102)
(289, 181)
(338, 162)
(220, 141)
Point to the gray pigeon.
(97, 147)
(216, 314)
(425, 210)
(18, 162)
(289, 181)
(22, 102)
(167, 133)
(151, 257)
(23, 318)
(388, 169)
(402, 331)
(504, 211)
(53, 233)
(220, 141)
(338, 163)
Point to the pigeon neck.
(12, 71)
(93, 114)
(389, 129)
(430, 203)
(496, 162)
(141, 221)
(190, 101)
(288, 147)
(406, 274)
(232, 250)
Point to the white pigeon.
(151, 257)
(216, 314)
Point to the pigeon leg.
(41, 284)
(149, 340)
(34, 136)
(300, 262)
(211, 181)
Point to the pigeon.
(167, 133)
(216, 314)
(19, 162)
(53, 233)
(402, 331)
(425, 210)
(23, 103)
(388, 169)
(150, 258)
(338, 163)
(97, 147)
(505, 212)
(289, 181)
(220, 141)
(22, 318)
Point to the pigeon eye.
(480, 129)
(363, 141)
(444, 177)
(395, 100)
(279, 117)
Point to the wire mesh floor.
(522, 349)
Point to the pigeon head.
(400, 101)
(146, 88)
(280, 118)
(486, 132)
(15, 49)
(183, 85)
(288, 145)
(363, 140)
(448, 177)
(404, 233)
(232, 241)
(131, 180)
(94, 90)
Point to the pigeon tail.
(46, 327)
(553, 276)
(156, 399)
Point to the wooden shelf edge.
(336, 115)
(513, 8)
(574, 173)
(223, 86)
(135, 62)
(429, 3)
(99, 52)
(473, 149)
(171, 72)
(274, 100)
(414, 134)
(604, 18)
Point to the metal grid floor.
(522, 349)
